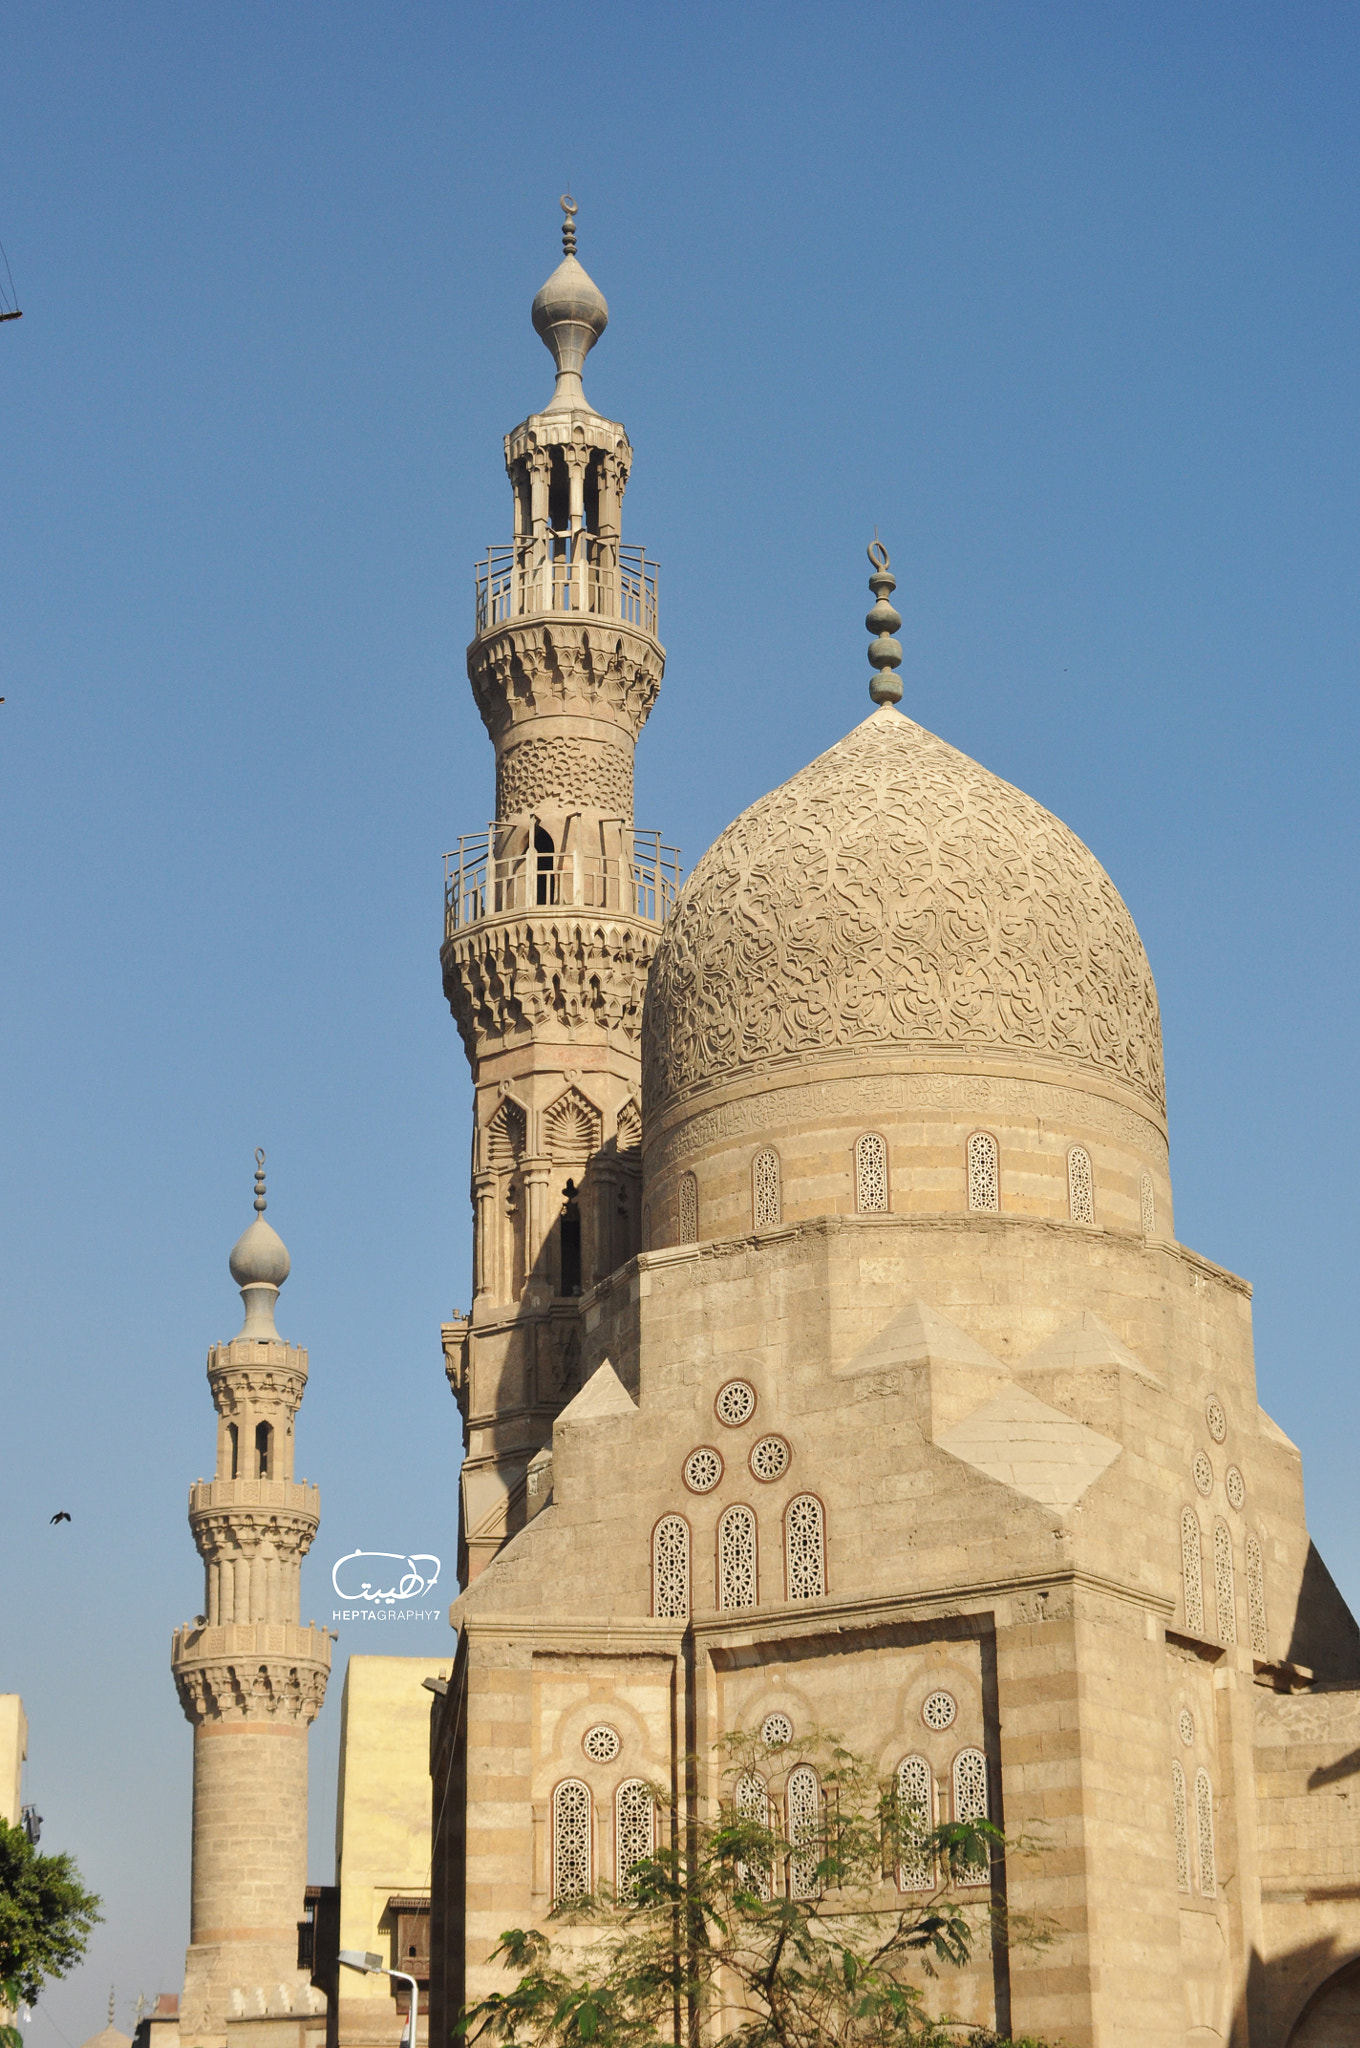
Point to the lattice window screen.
(1256, 1598)
(1182, 1829)
(634, 1832)
(871, 1173)
(670, 1568)
(805, 1832)
(737, 1559)
(1147, 1207)
(571, 1840)
(1191, 1572)
(689, 1209)
(984, 1172)
(753, 1804)
(767, 1205)
(970, 1803)
(1204, 1829)
(915, 1817)
(805, 1548)
(1081, 1198)
(1225, 1598)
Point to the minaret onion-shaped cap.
(885, 652)
(569, 316)
(259, 1265)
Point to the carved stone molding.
(248, 1671)
(590, 668)
(897, 897)
(233, 1532)
(568, 773)
(508, 976)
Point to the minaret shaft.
(250, 1677)
(551, 918)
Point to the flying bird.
(61, 1517)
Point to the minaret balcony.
(570, 571)
(296, 1495)
(641, 884)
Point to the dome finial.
(259, 1265)
(569, 316)
(885, 653)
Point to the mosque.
(832, 1363)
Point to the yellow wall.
(13, 1750)
(382, 1826)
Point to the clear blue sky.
(1062, 298)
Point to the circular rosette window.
(703, 1469)
(770, 1458)
(939, 1711)
(601, 1743)
(776, 1731)
(736, 1403)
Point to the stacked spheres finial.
(569, 316)
(885, 652)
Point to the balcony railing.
(566, 572)
(639, 884)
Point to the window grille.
(970, 1803)
(571, 1840)
(1235, 1486)
(753, 1804)
(804, 1796)
(702, 1469)
(601, 1743)
(1182, 1829)
(634, 1832)
(1203, 1474)
(1147, 1207)
(805, 1548)
(689, 1209)
(670, 1568)
(939, 1711)
(1256, 1598)
(1204, 1830)
(1191, 1572)
(1081, 1200)
(1225, 1593)
(767, 1206)
(769, 1458)
(871, 1173)
(984, 1172)
(1216, 1419)
(737, 1559)
(915, 1819)
(776, 1731)
(736, 1403)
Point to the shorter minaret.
(250, 1678)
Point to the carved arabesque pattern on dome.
(897, 895)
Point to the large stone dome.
(898, 908)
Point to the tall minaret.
(551, 915)
(250, 1679)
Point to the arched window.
(871, 1173)
(1256, 1598)
(804, 1798)
(984, 1172)
(915, 1819)
(737, 1559)
(634, 1832)
(689, 1209)
(264, 1450)
(1204, 1831)
(1146, 1205)
(767, 1201)
(234, 1437)
(753, 1804)
(970, 1803)
(1191, 1572)
(670, 1568)
(1081, 1199)
(569, 1241)
(804, 1548)
(1182, 1829)
(1225, 1593)
(571, 1840)
(545, 877)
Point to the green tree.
(747, 1933)
(45, 1919)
